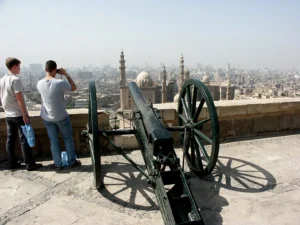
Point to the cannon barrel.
(157, 134)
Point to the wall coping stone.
(247, 108)
(263, 106)
(70, 112)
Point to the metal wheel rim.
(94, 143)
(189, 111)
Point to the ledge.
(79, 118)
(34, 114)
(237, 119)
(235, 109)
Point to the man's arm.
(71, 82)
(73, 85)
(22, 106)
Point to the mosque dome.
(176, 98)
(205, 79)
(144, 80)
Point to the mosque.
(169, 89)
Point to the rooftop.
(255, 182)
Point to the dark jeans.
(13, 128)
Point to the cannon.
(198, 132)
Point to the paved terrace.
(255, 182)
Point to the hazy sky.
(248, 33)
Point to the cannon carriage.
(199, 137)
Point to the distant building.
(81, 103)
(168, 90)
(36, 68)
(85, 75)
(223, 91)
(155, 93)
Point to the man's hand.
(26, 119)
(62, 71)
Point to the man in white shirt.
(11, 94)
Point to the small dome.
(144, 80)
(176, 98)
(205, 79)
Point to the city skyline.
(249, 35)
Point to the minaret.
(228, 90)
(122, 82)
(186, 74)
(164, 86)
(220, 92)
(122, 70)
(181, 77)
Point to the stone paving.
(255, 182)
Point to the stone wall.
(79, 118)
(237, 119)
(246, 118)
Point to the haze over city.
(250, 35)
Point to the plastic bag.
(29, 134)
(64, 159)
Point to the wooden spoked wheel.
(94, 143)
(200, 136)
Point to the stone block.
(126, 141)
(289, 122)
(2, 126)
(271, 108)
(80, 120)
(168, 114)
(203, 113)
(231, 111)
(290, 106)
(252, 109)
(235, 127)
(266, 124)
(37, 122)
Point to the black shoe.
(34, 166)
(55, 167)
(75, 164)
(14, 166)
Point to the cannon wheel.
(201, 137)
(94, 143)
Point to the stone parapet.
(242, 118)
(79, 118)
(237, 119)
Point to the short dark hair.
(11, 62)
(50, 66)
